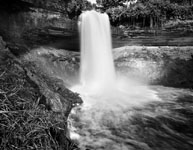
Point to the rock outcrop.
(25, 24)
(168, 66)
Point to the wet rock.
(169, 66)
(58, 97)
(47, 69)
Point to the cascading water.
(97, 69)
(105, 94)
(98, 78)
(118, 113)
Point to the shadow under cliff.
(168, 66)
(29, 24)
(178, 73)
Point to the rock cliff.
(25, 24)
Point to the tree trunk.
(143, 22)
(151, 22)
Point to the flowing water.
(108, 97)
(157, 125)
(118, 113)
(132, 121)
(97, 70)
(98, 80)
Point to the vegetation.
(25, 122)
(148, 13)
(143, 13)
(75, 7)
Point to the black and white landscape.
(96, 75)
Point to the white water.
(92, 1)
(100, 88)
(97, 70)
(98, 80)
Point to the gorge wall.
(26, 24)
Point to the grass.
(25, 123)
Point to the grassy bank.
(25, 121)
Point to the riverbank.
(33, 107)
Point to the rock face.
(168, 66)
(51, 72)
(38, 23)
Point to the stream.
(164, 124)
(155, 125)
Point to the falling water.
(97, 68)
(98, 79)
(104, 92)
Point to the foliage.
(147, 12)
(144, 13)
(75, 7)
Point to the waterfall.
(97, 70)
(99, 84)
(105, 94)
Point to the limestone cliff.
(25, 24)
